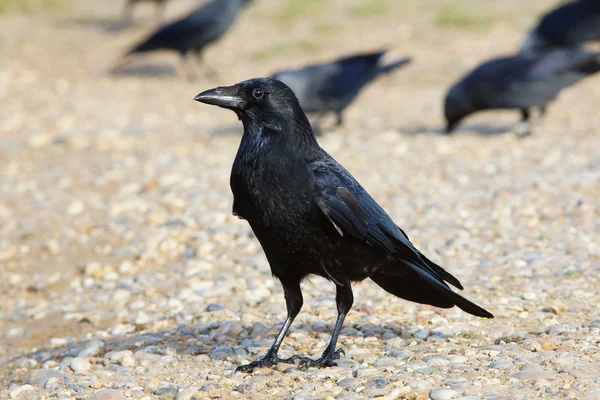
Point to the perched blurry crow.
(312, 217)
(333, 86)
(190, 34)
(522, 82)
(569, 25)
(130, 4)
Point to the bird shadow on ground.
(217, 340)
(480, 129)
(145, 70)
(107, 25)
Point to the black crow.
(569, 25)
(191, 34)
(312, 217)
(333, 86)
(522, 82)
(130, 4)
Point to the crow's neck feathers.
(290, 134)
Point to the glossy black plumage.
(191, 34)
(569, 25)
(522, 82)
(331, 87)
(312, 217)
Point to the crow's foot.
(267, 361)
(326, 360)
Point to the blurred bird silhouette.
(191, 34)
(523, 82)
(331, 87)
(569, 25)
(312, 217)
(130, 5)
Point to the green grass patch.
(33, 6)
(370, 8)
(404, 9)
(573, 274)
(467, 335)
(276, 50)
(325, 28)
(458, 17)
(295, 9)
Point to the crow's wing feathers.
(559, 61)
(349, 74)
(353, 211)
(524, 81)
(344, 212)
(204, 25)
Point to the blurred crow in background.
(130, 4)
(312, 217)
(523, 81)
(333, 86)
(569, 25)
(191, 34)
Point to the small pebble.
(80, 365)
(443, 394)
(16, 392)
(106, 395)
(166, 391)
(187, 394)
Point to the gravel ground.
(124, 275)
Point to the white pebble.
(128, 361)
(443, 394)
(118, 355)
(80, 365)
(141, 318)
(456, 360)
(187, 394)
(529, 296)
(20, 389)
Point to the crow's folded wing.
(352, 211)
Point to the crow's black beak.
(225, 96)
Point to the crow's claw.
(326, 360)
(267, 361)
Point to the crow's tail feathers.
(128, 57)
(384, 69)
(442, 273)
(422, 287)
(140, 48)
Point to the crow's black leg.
(524, 128)
(293, 300)
(187, 66)
(344, 299)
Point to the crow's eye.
(258, 93)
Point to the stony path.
(123, 269)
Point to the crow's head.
(263, 104)
(456, 106)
